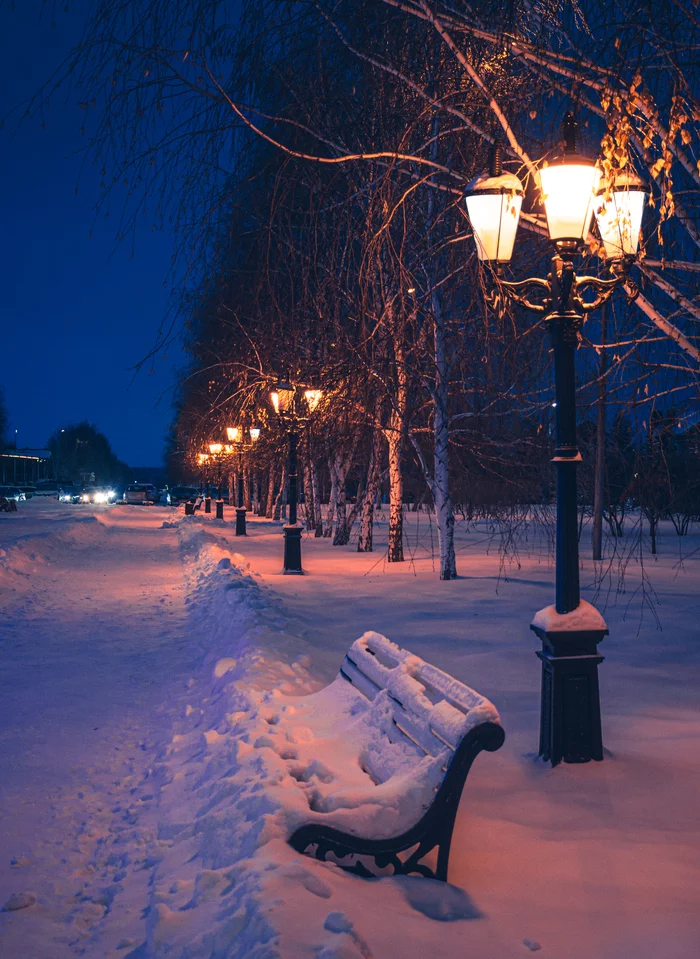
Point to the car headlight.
(111, 494)
(85, 498)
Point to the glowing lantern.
(618, 211)
(568, 185)
(494, 199)
(313, 398)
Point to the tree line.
(313, 159)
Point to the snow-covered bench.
(400, 737)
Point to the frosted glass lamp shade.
(313, 398)
(568, 186)
(254, 433)
(283, 398)
(215, 448)
(619, 210)
(493, 205)
(233, 433)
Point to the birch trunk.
(231, 488)
(440, 487)
(395, 549)
(270, 504)
(333, 499)
(395, 436)
(309, 501)
(277, 508)
(364, 543)
(340, 536)
(255, 499)
(247, 491)
(316, 492)
(344, 522)
(598, 490)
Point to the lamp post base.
(240, 521)
(292, 550)
(570, 727)
(207, 504)
(219, 509)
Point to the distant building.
(24, 467)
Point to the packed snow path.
(92, 636)
(147, 757)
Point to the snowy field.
(153, 756)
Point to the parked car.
(69, 494)
(7, 505)
(12, 492)
(182, 494)
(28, 491)
(139, 494)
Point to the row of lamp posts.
(293, 404)
(218, 456)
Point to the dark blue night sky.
(76, 313)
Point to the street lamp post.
(235, 435)
(293, 404)
(571, 629)
(215, 451)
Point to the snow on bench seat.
(393, 739)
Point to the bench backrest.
(422, 710)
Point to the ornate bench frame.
(434, 828)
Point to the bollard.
(219, 509)
(189, 509)
(207, 504)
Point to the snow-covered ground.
(154, 753)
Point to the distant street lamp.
(570, 631)
(215, 450)
(235, 436)
(293, 404)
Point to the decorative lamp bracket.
(563, 291)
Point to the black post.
(564, 328)
(292, 532)
(570, 727)
(219, 509)
(292, 477)
(240, 509)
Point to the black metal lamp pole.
(293, 403)
(564, 326)
(570, 722)
(570, 631)
(240, 509)
(292, 531)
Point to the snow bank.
(257, 754)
